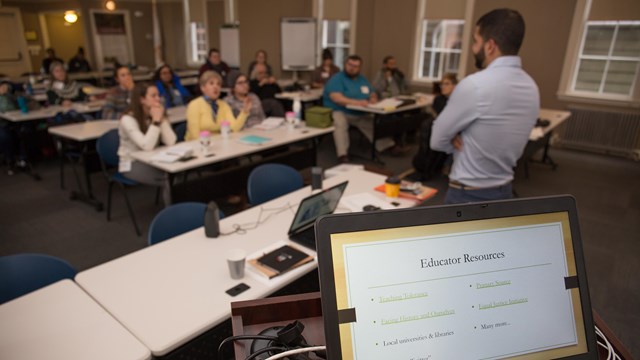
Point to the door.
(14, 58)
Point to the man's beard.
(353, 76)
(480, 57)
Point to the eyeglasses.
(241, 82)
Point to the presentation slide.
(471, 295)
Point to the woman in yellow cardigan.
(207, 112)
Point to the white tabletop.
(421, 102)
(62, 322)
(85, 131)
(304, 96)
(555, 117)
(224, 149)
(47, 112)
(171, 292)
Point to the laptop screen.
(483, 288)
(314, 206)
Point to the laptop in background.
(503, 279)
(310, 209)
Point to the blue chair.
(269, 181)
(177, 219)
(181, 131)
(23, 273)
(107, 148)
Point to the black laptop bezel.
(303, 227)
(353, 222)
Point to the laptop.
(310, 209)
(502, 279)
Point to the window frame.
(607, 58)
(325, 44)
(436, 50)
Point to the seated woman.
(61, 90)
(325, 71)
(143, 126)
(447, 84)
(207, 112)
(170, 88)
(118, 97)
(261, 58)
(240, 95)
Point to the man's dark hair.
(354, 57)
(505, 27)
(387, 58)
(213, 50)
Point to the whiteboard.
(298, 43)
(230, 46)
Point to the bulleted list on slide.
(495, 293)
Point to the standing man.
(214, 62)
(490, 114)
(348, 87)
(389, 81)
(46, 62)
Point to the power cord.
(607, 345)
(296, 351)
(243, 337)
(243, 228)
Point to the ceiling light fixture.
(70, 16)
(110, 5)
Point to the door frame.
(96, 39)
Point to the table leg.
(87, 196)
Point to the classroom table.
(169, 293)
(540, 138)
(84, 134)
(62, 322)
(50, 111)
(312, 95)
(232, 148)
(389, 121)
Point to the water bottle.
(212, 220)
(297, 108)
(22, 104)
(205, 142)
(225, 129)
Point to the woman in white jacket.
(143, 127)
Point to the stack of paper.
(390, 103)
(173, 153)
(270, 123)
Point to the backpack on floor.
(428, 162)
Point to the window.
(609, 58)
(335, 36)
(440, 48)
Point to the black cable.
(243, 337)
(267, 349)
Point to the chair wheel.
(73, 196)
(99, 207)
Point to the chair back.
(23, 273)
(269, 181)
(107, 147)
(181, 131)
(175, 220)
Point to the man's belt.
(457, 185)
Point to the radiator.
(615, 133)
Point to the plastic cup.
(392, 187)
(236, 261)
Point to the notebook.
(310, 209)
(476, 281)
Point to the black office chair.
(107, 147)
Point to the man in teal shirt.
(348, 87)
